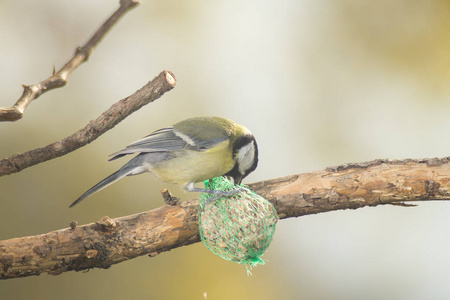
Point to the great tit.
(191, 151)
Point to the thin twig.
(110, 241)
(59, 79)
(164, 82)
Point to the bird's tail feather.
(124, 171)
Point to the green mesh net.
(239, 227)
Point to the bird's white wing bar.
(159, 141)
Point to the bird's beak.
(237, 180)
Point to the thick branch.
(59, 79)
(164, 82)
(353, 186)
(110, 241)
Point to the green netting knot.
(238, 228)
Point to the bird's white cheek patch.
(246, 155)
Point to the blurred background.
(319, 83)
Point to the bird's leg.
(192, 188)
(208, 201)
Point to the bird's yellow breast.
(195, 166)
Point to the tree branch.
(59, 79)
(111, 241)
(164, 82)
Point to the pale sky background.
(319, 83)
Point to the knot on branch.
(106, 224)
(83, 52)
(432, 188)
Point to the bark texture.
(153, 90)
(353, 186)
(59, 78)
(110, 241)
(101, 244)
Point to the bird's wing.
(167, 139)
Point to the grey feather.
(167, 140)
(131, 168)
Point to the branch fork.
(59, 79)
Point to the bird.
(190, 151)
